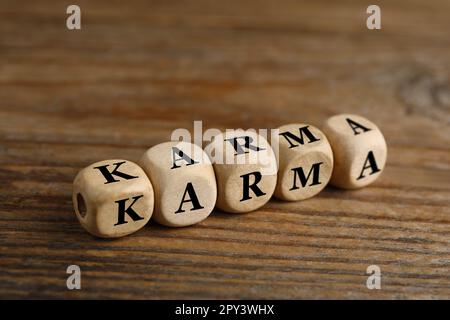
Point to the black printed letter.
(192, 198)
(129, 211)
(247, 186)
(315, 169)
(180, 153)
(247, 144)
(372, 165)
(355, 126)
(109, 174)
(288, 136)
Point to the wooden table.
(138, 70)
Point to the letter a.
(355, 126)
(182, 156)
(192, 198)
(369, 163)
(74, 280)
(73, 21)
(374, 20)
(374, 280)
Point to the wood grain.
(138, 69)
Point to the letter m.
(314, 171)
(296, 140)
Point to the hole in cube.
(81, 205)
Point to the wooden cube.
(359, 150)
(305, 161)
(184, 183)
(112, 198)
(245, 168)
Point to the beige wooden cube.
(112, 198)
(305, 161)
(184, 182)
(246, 170)
(359, 150)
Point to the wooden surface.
(139, 69)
